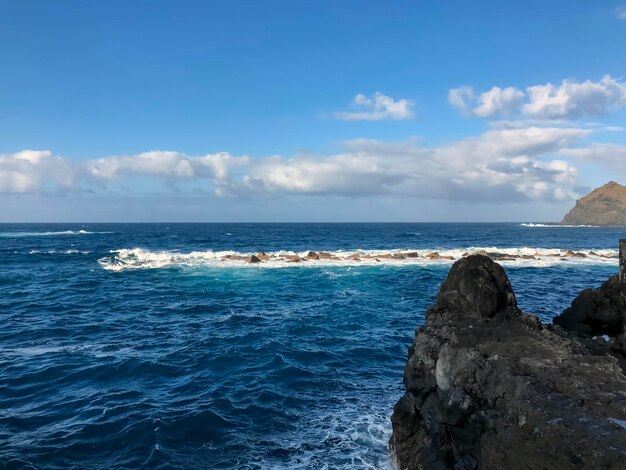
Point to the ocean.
(154, 346)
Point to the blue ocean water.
(136, 345)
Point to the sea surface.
(141, 345)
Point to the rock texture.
(600, 314)
(489, 387)
(605, 205)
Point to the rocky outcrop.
(600, 314)
(261, 255)
(406, 256)
(605, 205)
(489, 387)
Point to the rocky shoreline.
(490, 387)
(357, 256)
(138, 258)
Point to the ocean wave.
(139, 258)
(58, 252)
(555, 225)
(95, 350)
(47, 234)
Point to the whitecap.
(555, 225)
(59, 252)
(140, 258)
(95, 350)
(47, 234)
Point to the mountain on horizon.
(605, 205)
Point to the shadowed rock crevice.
(490, 387)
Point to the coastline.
(490, 387)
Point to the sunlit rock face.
(605, 205)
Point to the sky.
(296, 111)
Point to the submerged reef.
(490, 387)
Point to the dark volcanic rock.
(599, 311)
(488, 387)
(476, 288)
(602, 311)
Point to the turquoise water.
(138, 346)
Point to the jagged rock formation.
(601, 312)
(605, 205)
(489, 387)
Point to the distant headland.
(605, 205)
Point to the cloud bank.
(503, 165)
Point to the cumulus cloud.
(495, 101)
(573, 100)
(503, 165)
(499, 165)
(569, 100)
(168, 165)
(376, 108)
(32, 171)
(620, 12)
(347, 174)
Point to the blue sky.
(308, 110)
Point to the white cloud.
(573, 100)
(620, 12)
(569, 100)
(154, 163)
(376, 108)
(168, 165)
(502, 165)
(610, 155)
(33, 171)
(499, 165)
(495, 101)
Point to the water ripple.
(206, 367)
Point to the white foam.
(47, 234)
(359, 437)
(555, 225)
(96, 350)
(139, 258)
(58, 252)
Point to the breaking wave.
(554, 225)
(46, 234)
(139, 258)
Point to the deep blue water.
(197, 363)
